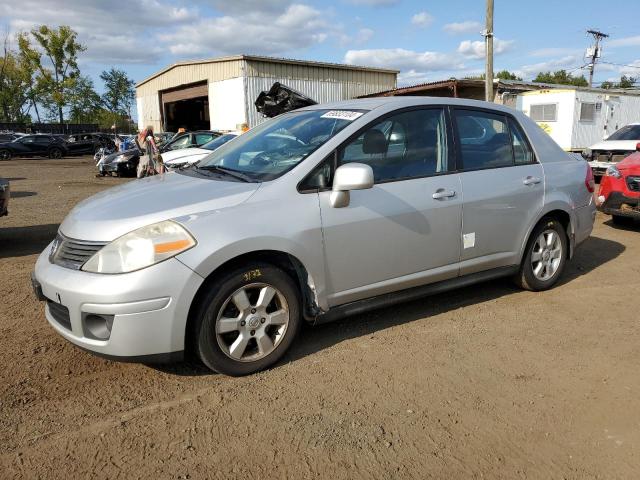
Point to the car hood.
(183, 154)
(629, 164)
(119, 210)
(629, 145)
(111, 157)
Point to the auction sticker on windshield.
(342, 115)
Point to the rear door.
(503, 187)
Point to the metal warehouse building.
(219, 93)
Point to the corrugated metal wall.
(320, 82)
(323, 84)
(615, 112)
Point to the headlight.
(122, 158)
(613, 171)
(141, 248)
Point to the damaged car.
(619, 194)
(614, 149)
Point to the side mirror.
(352, 176)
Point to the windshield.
(218, 142)
(630, 132)
(276, 146)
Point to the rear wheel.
(5, 154)
(247, 320)
(55, 152)
(544, 258)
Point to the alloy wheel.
(546, 255)
(252, 322)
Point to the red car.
(620, 189)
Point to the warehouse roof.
(500, 84)
(258, 58)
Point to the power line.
(621, 64)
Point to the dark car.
(8, 137)
(34, 146)
(87, 143)
(124, 164)
(4, 197)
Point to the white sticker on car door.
(469, 240)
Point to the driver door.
(406, 230)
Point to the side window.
(43, 140)
(181, 142)
(320, 177)
(27, 139)
(484, 139)
(202, 138)
(407, 145)
(521, 150)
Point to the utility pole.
(594, 52)
(488, 40)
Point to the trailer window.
(587, 112)
(544, 112)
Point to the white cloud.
(421, 19)
(567, 62)
(555, 51)
(458, 28)
(401, 59)
(624, 42)
(374, 3)
(631, 69)
(100, 25)
(476, 49)
(364, 35)
(298, 26)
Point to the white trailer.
(576, 118)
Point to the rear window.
(630, 132)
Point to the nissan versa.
(315, 214)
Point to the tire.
(246, 320)
(5, 154)
(539, 269)
(55, 153)
(617, 219)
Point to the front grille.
(70, 253)
(60, 314)
(633, 183)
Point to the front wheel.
(5, 154)
(55, 153)
(544, 258)
(247, 320)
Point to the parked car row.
(125, 163)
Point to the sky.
(426, 40)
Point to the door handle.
(442, 193)
(531, 180)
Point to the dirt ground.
(487, 381)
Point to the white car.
(188, 156)
(615, 148)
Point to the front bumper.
(621, 205)
(147, 310)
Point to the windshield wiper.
(227, 171)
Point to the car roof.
(405, 101)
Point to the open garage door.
(186, 107)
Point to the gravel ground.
(487, 381)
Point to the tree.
(502, 75)
(561, 77)
(625, 82)
(119, 93)
(506, 75)
(14, 84)
(56, 77)
(84, 103)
